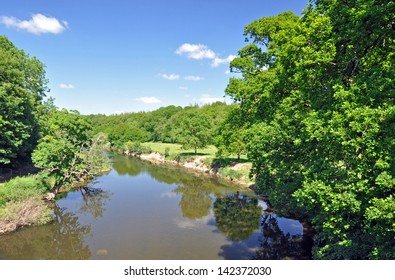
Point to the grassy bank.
(236, 170)
(22, 204)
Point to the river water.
(145, 211)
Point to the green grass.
(176, 149)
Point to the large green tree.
(229, 135)
(193, 128)
(22, 87)
(318, 96)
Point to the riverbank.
(232, 171)
(27, 200)
(22, 202)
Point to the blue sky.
(114, 56)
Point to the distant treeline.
(193, 126)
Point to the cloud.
(203, 52)
(208, 99)
(193, 78)
(195, 51)
(66, 86)
(184, 223)
(170, 77)
(218, 61)
(38, 24)
(183, 88)
(149, 100)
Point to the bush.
(232, 174)
(175, 157)
(22, 188)
(167, 152)
(208, 161)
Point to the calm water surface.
(145, 211)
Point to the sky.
(118, 56)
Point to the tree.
(22, 87)
(229, 137)
(66, 152)
(318, 91)
(193, 129)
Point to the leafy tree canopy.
(317, 96)
(22, 87)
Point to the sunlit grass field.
(176, 149)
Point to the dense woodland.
(314, 112)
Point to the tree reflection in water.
(93, 201)
(195, 201)
(237, 216)
(277, 245)
(244, 222)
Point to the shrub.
(167, 152)
(22, 188)
(232, 174)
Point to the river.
(145, 211)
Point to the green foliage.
(167, 152)
(229, 136)
(193, 129)
(316, 96)
(160, 125)
(231, 173)
(22, 87)
(66, 151)
(137, 148)
(22, 188)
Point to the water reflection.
(147, 211)
(195, 200)
(277, 244)
(237, 216)
(64, 240)
(93, 201)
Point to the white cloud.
(193, 78)
(183, 88)
(170, 77)
(66, 86)
(38, 24)
(218, 61)
(149, 100)
(227, 72)
(195, 51)
(208, 99)
(203, 52)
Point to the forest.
(314, 111)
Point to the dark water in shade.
(144, 211)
